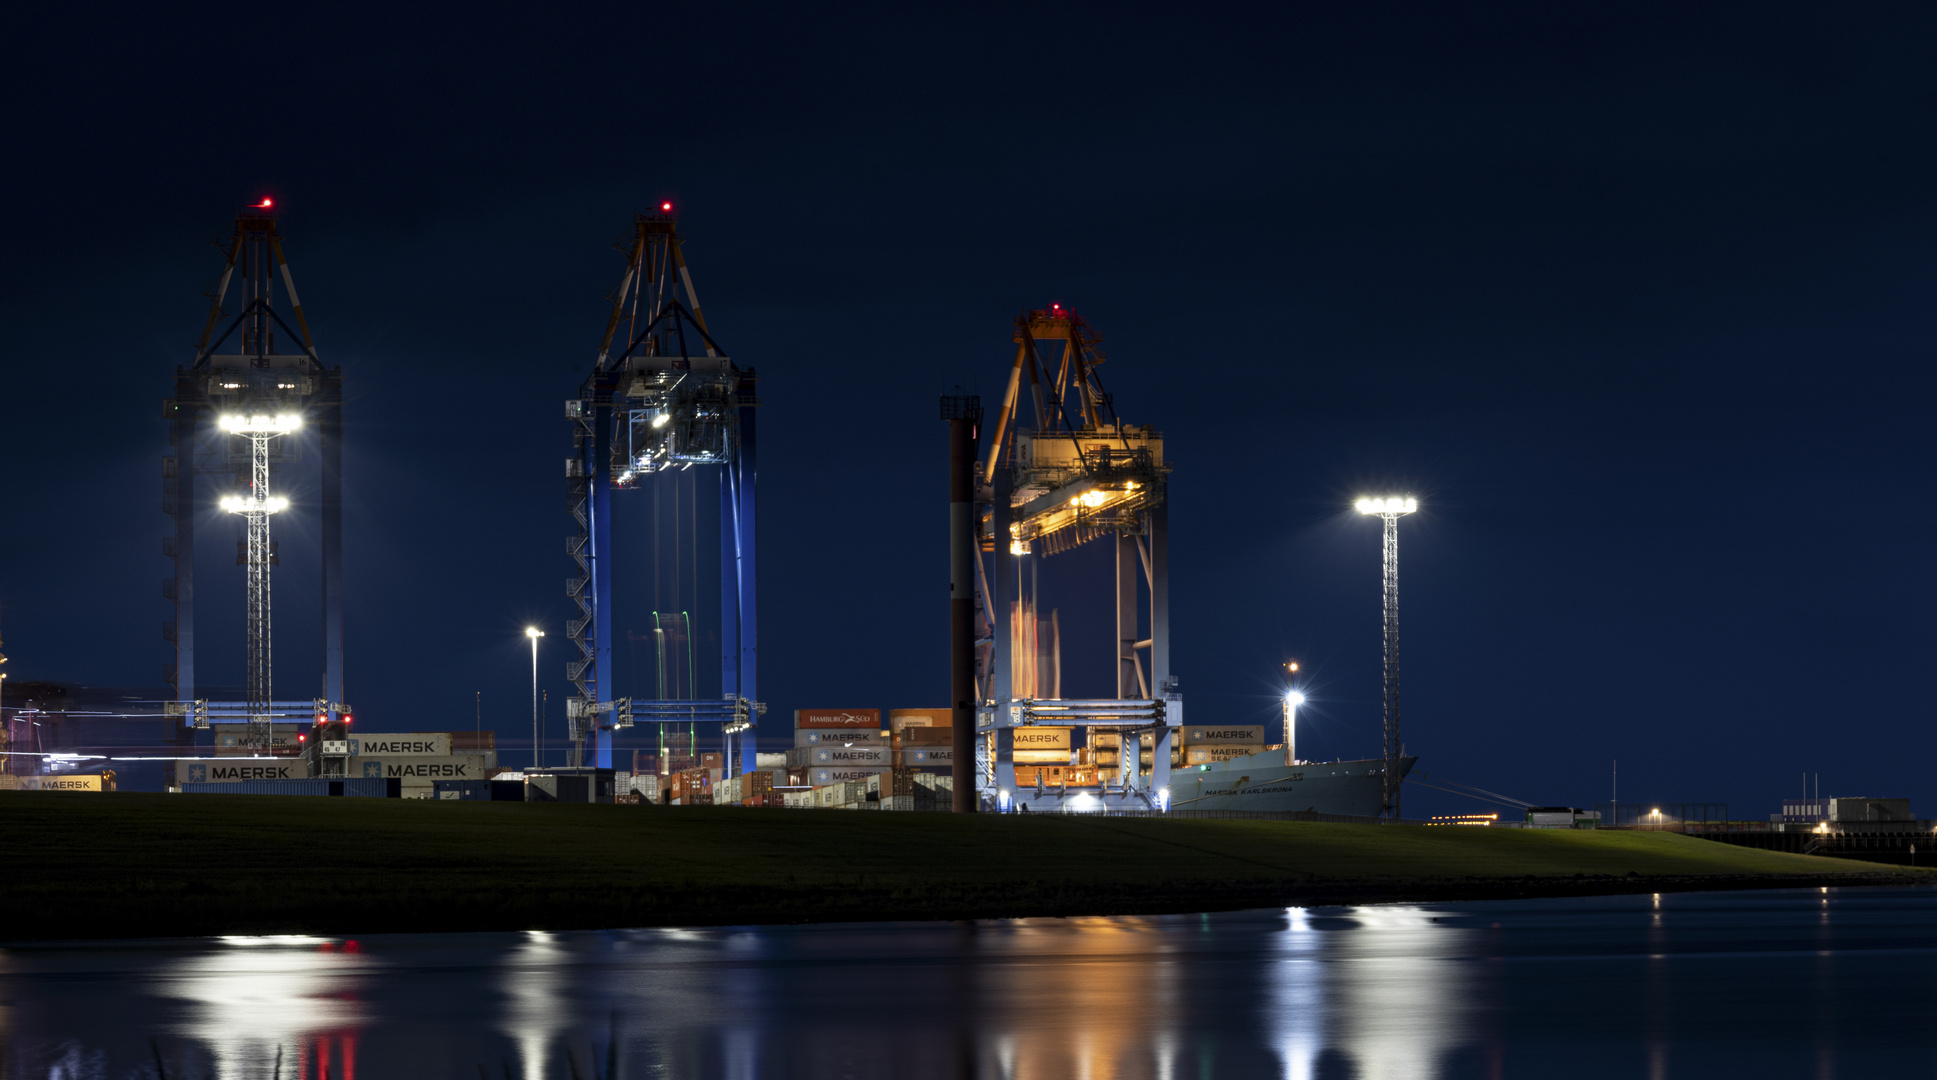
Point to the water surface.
(1836, 983)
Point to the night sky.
(1635, 299)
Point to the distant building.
(1562, 817)
(1803, 811)
(1863, 808)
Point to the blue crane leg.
(746, 481)
(729, 601)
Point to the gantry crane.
(256, 396)
(1077, 476)
(666, 400)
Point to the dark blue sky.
(1635, 298)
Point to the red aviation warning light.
(266, 203)
(666, 207)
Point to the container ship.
(1263, 782)
(1213, 767)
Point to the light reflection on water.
(1624, 986)
(1391, 1001)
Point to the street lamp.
(1293, 699)
(534, 634)
(1390, 509)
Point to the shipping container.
(1223, 735)
(770, 761)
(838, 718)
(219, 771)
(840, 737)
(1043, 757)
(421, 768)
(853, 756)
(904, 719)
(928, 755)
(232, 740)
(942, 735)
(1042, 738)
(847, 793)
(1211, 755)
(62, 782)
(401, 744)
(507, 790)
(825, 775)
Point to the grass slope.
(124, 865)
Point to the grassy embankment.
(125, 865)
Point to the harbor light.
(1391, 504)
(534, 634)
(1389, 509)
(242, 504)
(259, 423)
(1293, 699)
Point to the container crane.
(663, 396)
(257, 395)
(1062, 470)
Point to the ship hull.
(1258, 783)
(1263, 782)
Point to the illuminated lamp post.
(1293, 699)
(255, 508)
(534, 634)
(1390, 509)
